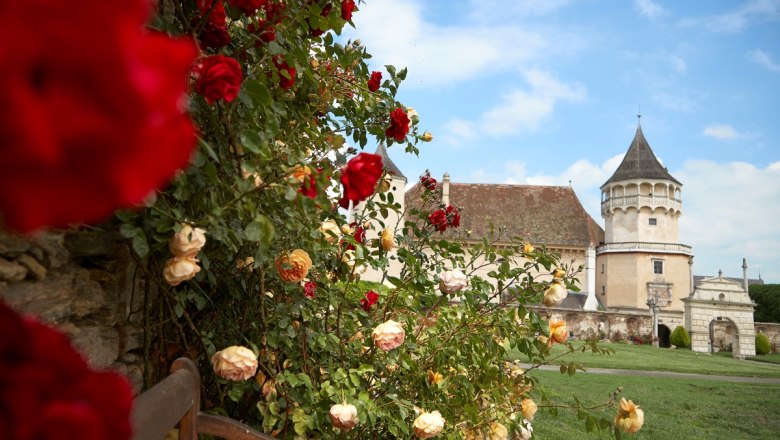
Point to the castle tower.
(641, 257)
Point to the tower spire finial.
(639, 116)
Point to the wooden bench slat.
(160, 408)
(228, 428)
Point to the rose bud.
(558, 273)
(629, 417)
(426, 137)
(235, 363)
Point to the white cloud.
(485, 10)
(763, 59)
(678, 64)
(519, 110)
(729, 212)
(681, 102)
(649, 9)
(720, 131)
(738, 19)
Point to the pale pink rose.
(387, 239)
(330, 230)
(555, 294)
(428, 424)
(629, 417)
(452, 282)
(235, 363)
(498, 431)
(179, 269)
(187, 242)
(524, 431)
(388, 335)
(343, 416)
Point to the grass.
(674, 408)
(646, 357)
(772, 358)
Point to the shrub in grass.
(763, 346)
(680, 337)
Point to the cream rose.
(428, 424)
(343, 416)
(179, 269)
(629, 417)
(349, 259)
(426, 137)
(330, 230)
(388, 335)
(555, 294)
(414, 117)
(235, 363)
(293, 266)
(452, 282)
(524, 431)
(528, 408)
(187, 242)
(498, 432)
(387, 239)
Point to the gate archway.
(664, 335)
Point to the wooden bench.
(176, 400)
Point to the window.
(653, 221)
(658, 267)
(602, 267)
(603, 290)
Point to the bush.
(763, 346)
(680, 337)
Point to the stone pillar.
(591, 303)
(445, 189)
(744, 274)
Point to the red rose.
(248, 7)
(359, 178)
(309, 185)
(214, 33)
(399, 125)
(309, 289)
(370, 298)
(438, 219)
(285, 82)
(347, 7)
(359, 235)
(427, 181)
(316, 32)
(48, 391)
(218, 77)
(97, 121)
(453, 216)
(274, 12)
(374, 81)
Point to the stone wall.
(605, 325)
(85, 284)
(772, 331)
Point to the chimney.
(445, 189)
(744, 275)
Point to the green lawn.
(646, 357)
(772, 358)
(674, 408)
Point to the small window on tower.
(653, 221)
(658, 267)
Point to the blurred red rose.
(218, 77)
(453, 216)
(248, 7)
(214, 32)
(370, 298)
(399, 125)
(358, 233)
(281, 65)
(359, 178)
(47, 391)
(309, 289)
(375, 81)
(347, 7)
(427, 181)
(442, 219)
(95, 118)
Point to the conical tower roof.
(388, 164)
(640, 163)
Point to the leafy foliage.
(767, 299)
(680, 337)
(763, 346)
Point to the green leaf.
(128, 231)
(258, 92)
(140, 246)
(235, 394)
(260, 230)
(205, 145)
(251, 141)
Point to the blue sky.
(547, 91)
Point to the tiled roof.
(388, 164)
(550, 215)
(640, 163)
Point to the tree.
(767, 299)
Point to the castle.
(637, 276)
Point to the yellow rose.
(428, 424)
(179, 269)
(426, 137)
(558, 273)
(498, 432)
(343, 416)
(187, 242)
(629, 417)
(293, 266)
(528, 408)
(299, 172)
(555, 294)
(434, 377)
(387, 239)
(235, 363)
(528, 248)
(384, 184)
(558, 332)
(330, 230)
